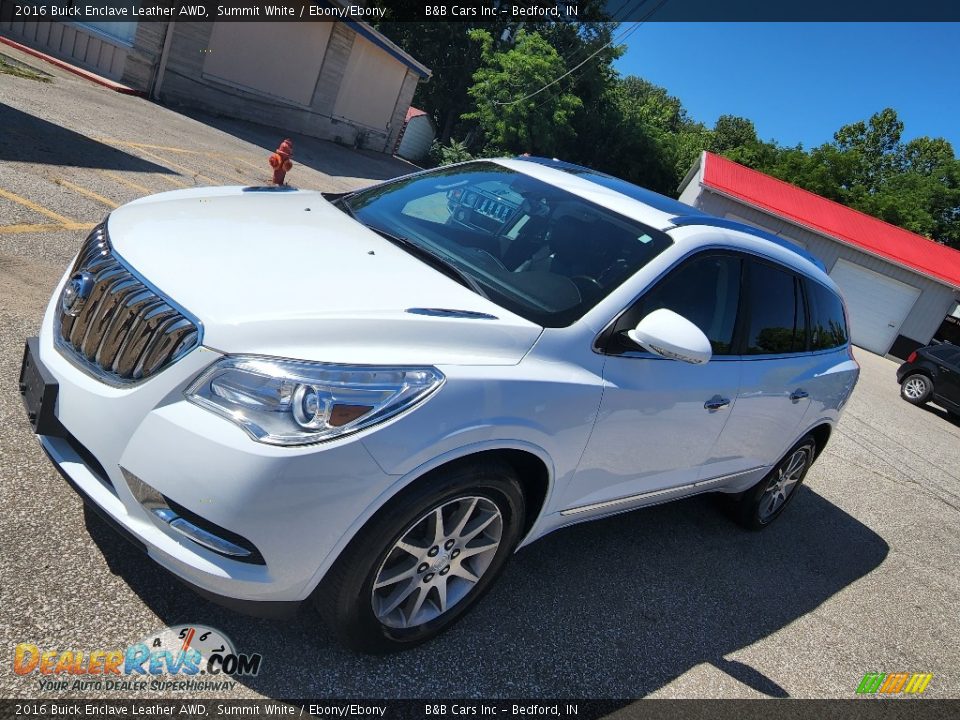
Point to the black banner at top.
(515, 11)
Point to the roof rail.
(710, 221)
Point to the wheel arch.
(532, 464)
(919, 370)
(821, 434)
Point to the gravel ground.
(860, 575)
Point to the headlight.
(290, 402)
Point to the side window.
(947, 353)
(705, 290)
(828, 325)
(774, 302)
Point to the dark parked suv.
(932, 373)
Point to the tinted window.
(774, 304)
(946, 352)
(828, 325)
(705, 290)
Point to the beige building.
(340, 81)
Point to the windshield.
(541, 252)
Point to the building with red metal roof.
(902, 289)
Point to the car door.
(659, 418)
(947, 384)
(776, 371)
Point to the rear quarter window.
(775, 311)
(828, 324)
(946, 352)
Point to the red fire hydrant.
(280, 161)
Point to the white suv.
(371, 400)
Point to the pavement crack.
(905, 479)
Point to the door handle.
(798, 395)
(716, 403)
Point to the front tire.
(759, 506)
(425, 559)
(916, 389)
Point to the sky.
(799, 82)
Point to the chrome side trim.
(161, 512)
(655, 493)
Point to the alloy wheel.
(437, 562)
(915, 387)
(783, 483)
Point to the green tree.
(915, 185)
(511, 120)
(445, 48)
(731, 132)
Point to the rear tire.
(759, 506)
(408, 576)
(916, 388)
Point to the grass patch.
(12, 67)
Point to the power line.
(590, 57)
(623, 11)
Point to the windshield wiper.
(339, 201)
(433, 259)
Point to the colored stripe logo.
(894, 683)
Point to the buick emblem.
(76, 292)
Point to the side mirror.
(667, 334)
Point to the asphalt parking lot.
(860, 575)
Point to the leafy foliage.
(915, 185)
(536, 124)
(453, 152)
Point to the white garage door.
(877, 304)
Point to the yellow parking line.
(22, 229)
(236, 172)
(124, 181)
(263, 167)
(225, 157)
(18, 229)
(182, 168)
(37, 208)
(87, 193)
(176, 181)
(123, 143)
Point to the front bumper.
(297, 506)
(265, 609)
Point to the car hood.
(287, 274)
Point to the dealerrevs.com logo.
(172, 659)
(888, 684)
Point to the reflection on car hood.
(288, 274)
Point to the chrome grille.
(113, 324)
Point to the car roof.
(635, 192)
(652, 208)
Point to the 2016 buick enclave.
(370, 400)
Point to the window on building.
(125, 32)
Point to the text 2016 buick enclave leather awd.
(371, 400)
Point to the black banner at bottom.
(866, 708)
